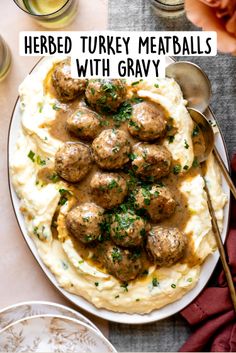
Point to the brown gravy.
(82, 193)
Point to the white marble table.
(20, 276)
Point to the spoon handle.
(225, 172)
(221, 249)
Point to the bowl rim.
(117, 317)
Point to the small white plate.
(24, 310)
(51, 333)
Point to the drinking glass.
(50, 13)
(168, 8)
(5, 59)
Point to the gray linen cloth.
(169, 334)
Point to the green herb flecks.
(177, 169)
(171, 139)
(125, 286)
(31, 156)
(124, 113)
(195, 162)
(54, 178)
(56, 107)
(155, 282)
(196, 131)
(64, 196)
(116, 255)
(186, 145)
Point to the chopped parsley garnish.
(56, 107)
(155, 282)
(35, 231)
(171, 139)
(104, 123)
(31, 155)
(147, 202)
(36, 159)
(40, 161)
(136, 100)
(113, 184)
(124, 113)
(64, 196)
(81, 262)
(196, 131)
(186, 145)
(133, 123)
(54, 178)
(125, 286)
(190, 279)
(117, 296)
(173, 285)
(116, 255)
(145, 273)
(96, 284)
(137, 300)
(195, 162)
(177, 169)
(64, 265)
(156, 85)
(132, 156)
(143, 232)
(136, 83)
(40, 104)
(186, 167)
(92, 90)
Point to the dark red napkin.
(211, 315)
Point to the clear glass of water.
(50, 13)
(168, 8)
(5, 59)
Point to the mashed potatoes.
(36, 149)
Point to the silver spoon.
(196, 89)
(195, 84)
(208, 135)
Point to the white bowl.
(171, 309)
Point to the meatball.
(84, 123)
(73, 161)
(128, 229)
(84, 221)
(108, 189)
(166, 245)
(111, 149)
(105, 95)
(147, 122)
(157, 201)
(67, 88)
(151, 161)
(124, 264)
